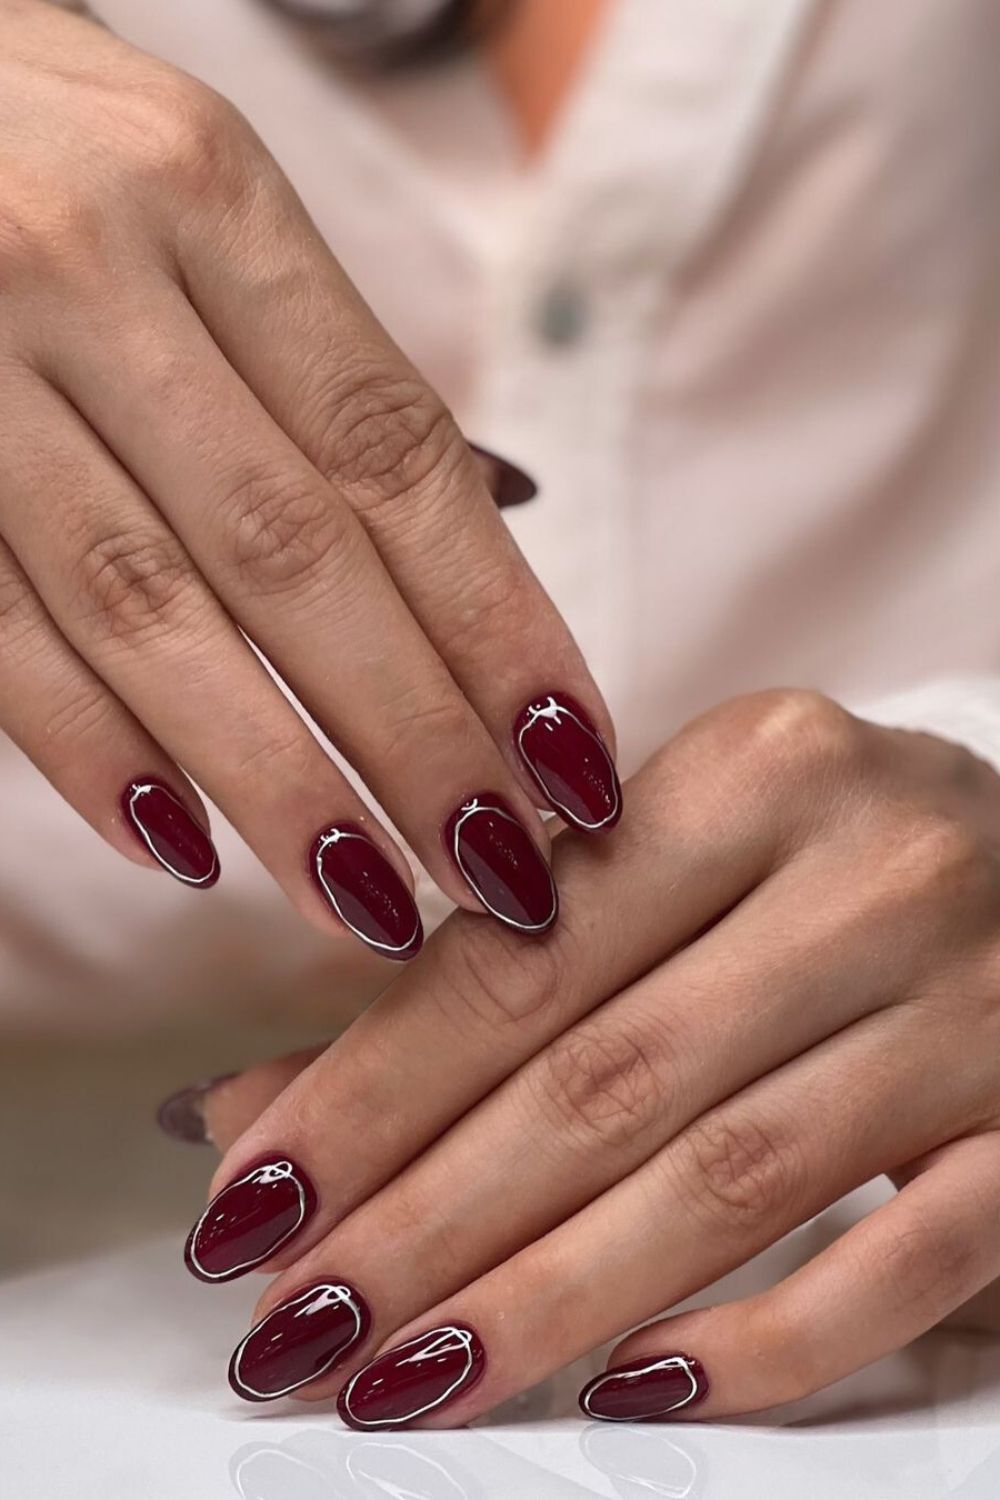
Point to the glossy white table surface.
(112, 1388)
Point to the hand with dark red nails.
(194, 485)
(747, 1010)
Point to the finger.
(732, 1183)
(479, 1007)
(882, 1284)
(289, 320)
(88, 745)
(124, 592)
(217, 1110)
(762, 986)
(293, 565)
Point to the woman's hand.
(206, 438)
(778, 981)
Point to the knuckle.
(280, 529)
(801, 730)
(602, 1084)
(128, 586)
(198, 142)
(945, 860)
(51, 235)
(438, 717)
(385, 435)
(735, 1173)
(81, 713)
(929, 1268)
(499, 990)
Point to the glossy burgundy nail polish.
(250, 1219)
(560, 745)
(502, 863)
(303, 1338)
(182, 1116)
(414, 1379)
(508, 484)
(364, 890)
(170, 833)
(649, 1390)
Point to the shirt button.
(561, 317)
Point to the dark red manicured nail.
(413, 1379)
(159, 818)
(182, 1116)
(562, 749)
(650, 1390)
(366, 893)
(249, 1220)
(302, 1339)
(508, 484)
(502, 863)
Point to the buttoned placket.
(653, 147)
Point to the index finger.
(290, 321)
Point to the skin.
(777, 981)
(207, 437)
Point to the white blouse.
(741, 322)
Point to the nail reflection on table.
(464, 1465)
(642, 1462)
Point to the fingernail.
(299, 1341)
(182, 1116)
(173, 837)
(508, 484)
(649, 1390)
(366, 893)
(249, 1220)
(560, 745)
(413, 1379)
(502, 863)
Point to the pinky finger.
(886, 1281)
(90, 747)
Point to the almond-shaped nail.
(659, 1389)
(366, 893)
(561, 747)
(250, 1219)
(162, 823)
(182, 1116)
(502, 864)
(301, 1339)
(414, 1378)
(508, 484)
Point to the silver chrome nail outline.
(283, 1171)
(469, 810)
(670, 1362)
(553, 710)
(139, 789)
(466, 1338)
(335, 836)
(345, 1295)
